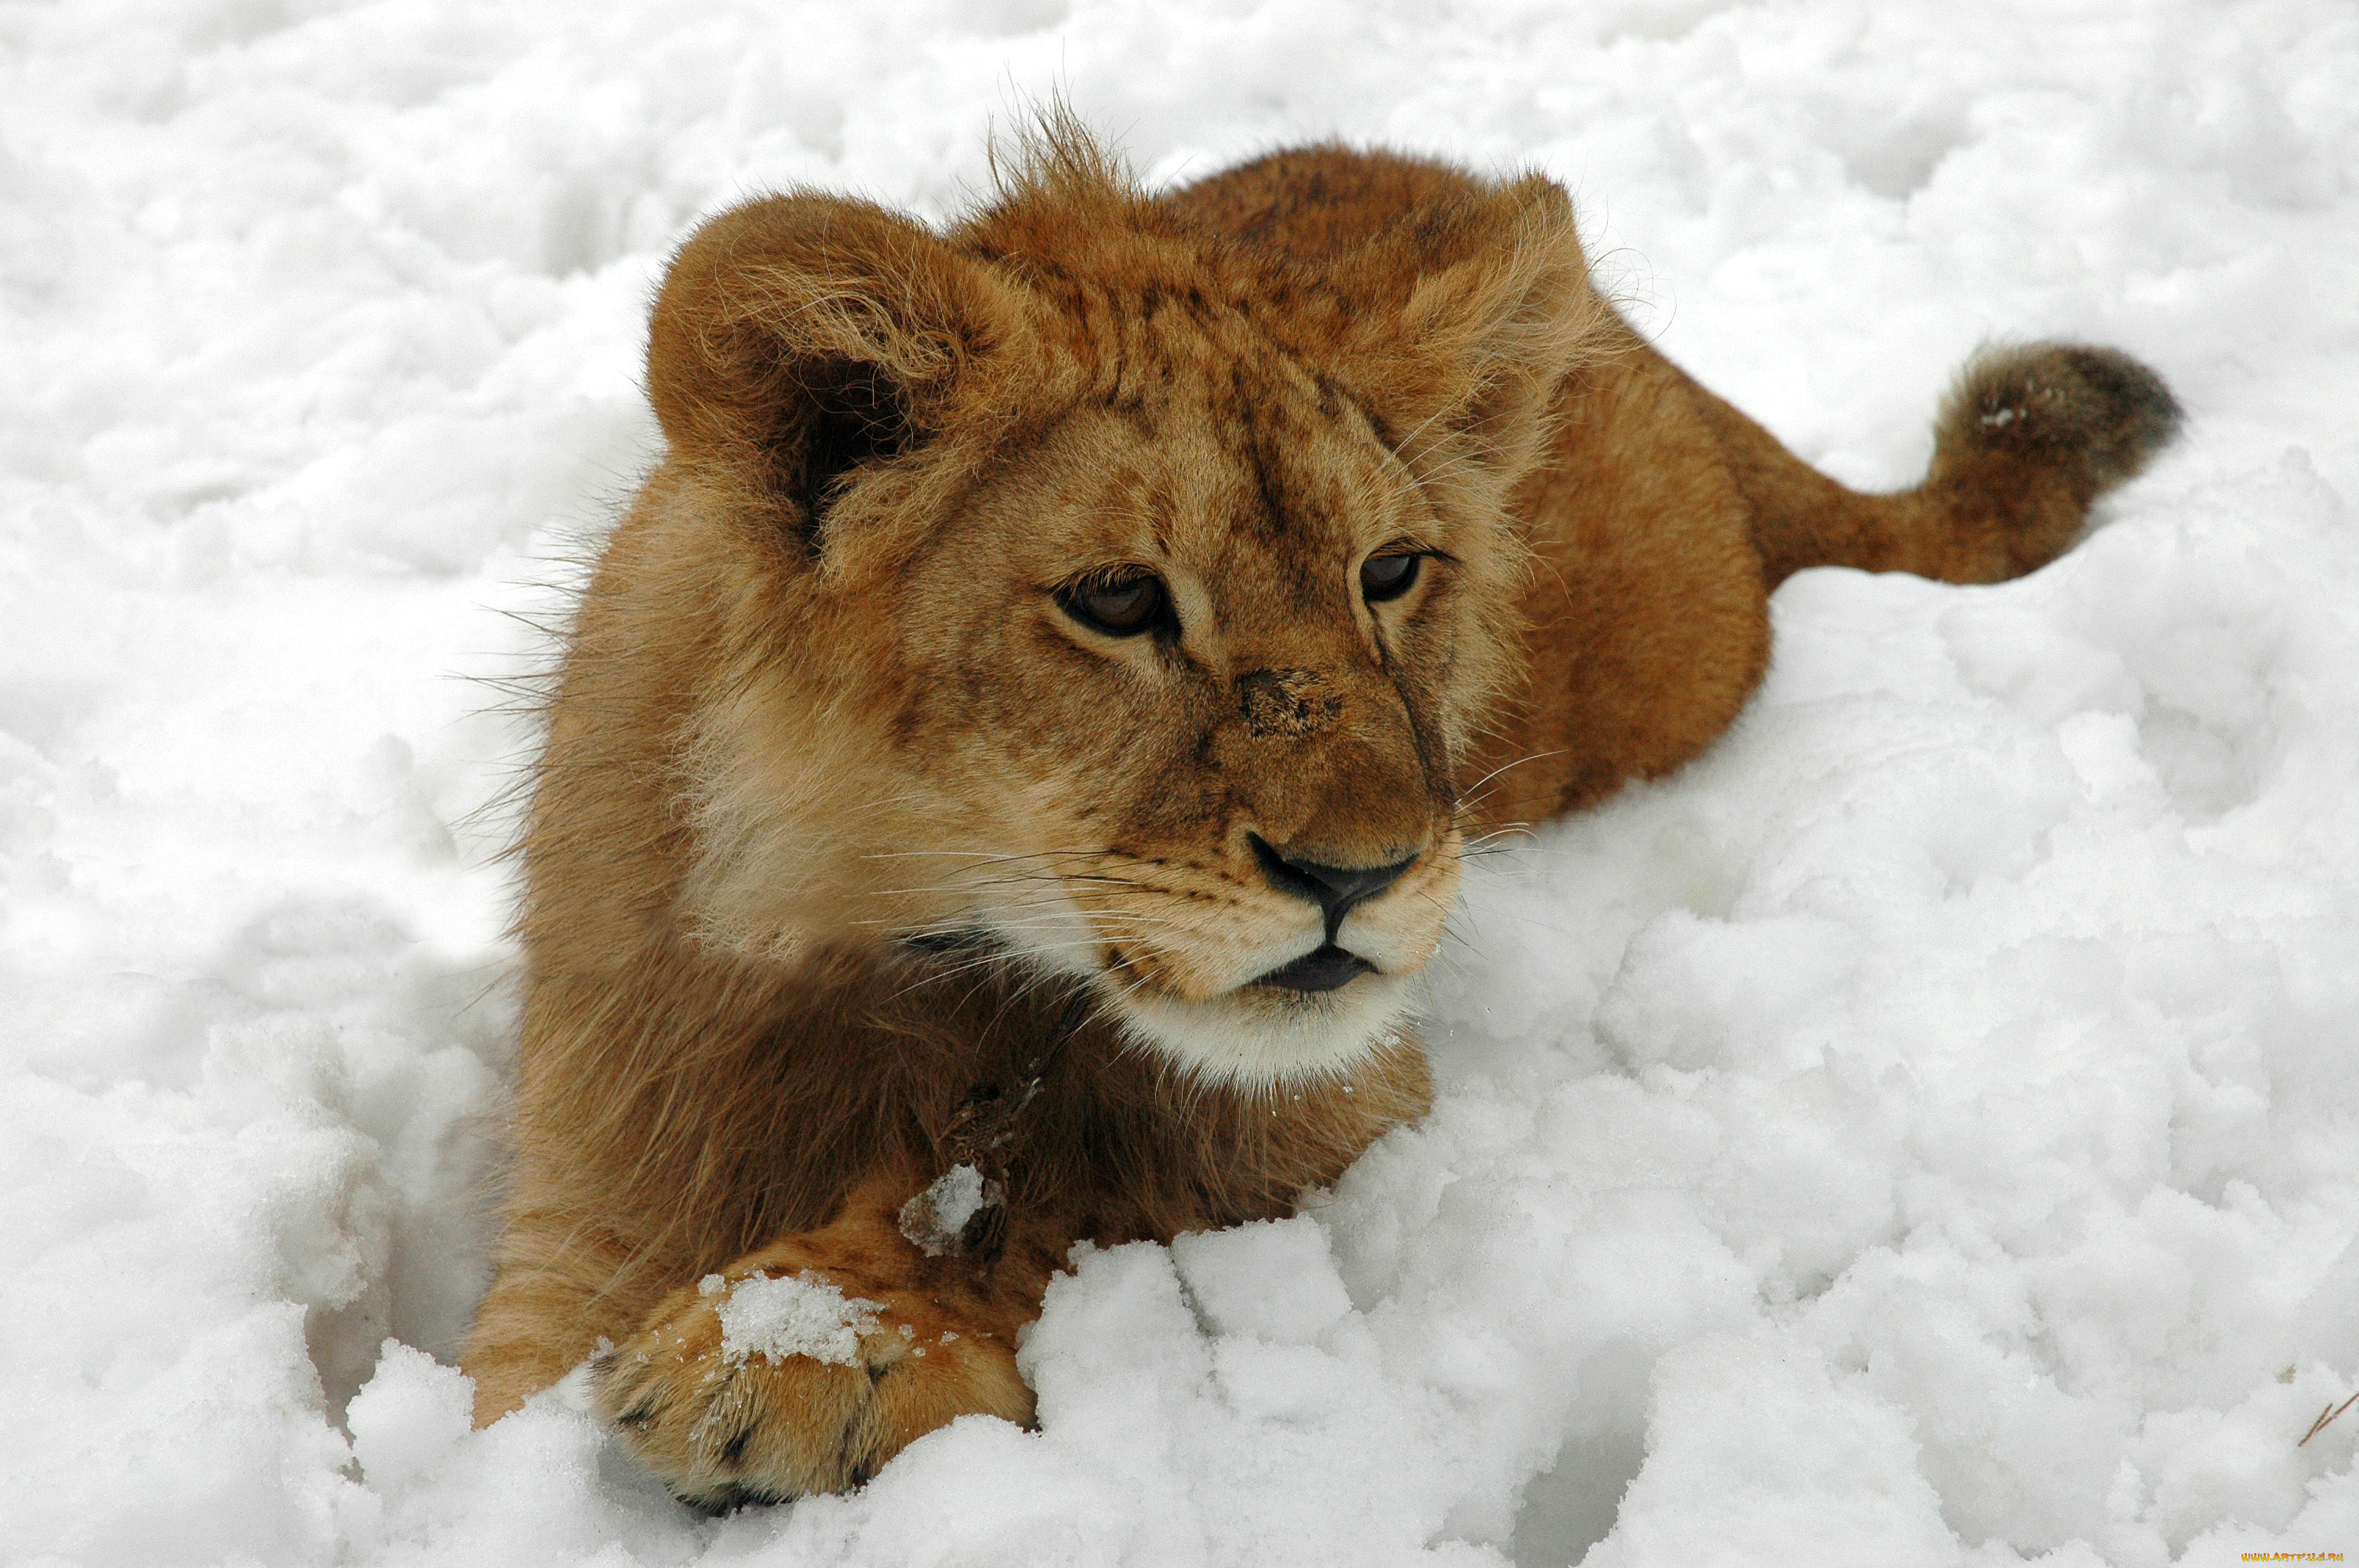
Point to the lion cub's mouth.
(1323, 970)
(1304, 1016)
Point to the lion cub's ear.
(802, 341)
(1481, 305)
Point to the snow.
(1926, 1131)
(775, 1316)
(935, 1220)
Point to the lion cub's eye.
(1119, 607)
(1388, 576)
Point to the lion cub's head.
(1084, 586)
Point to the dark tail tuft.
(2092, 416)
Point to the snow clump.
(778, 1315)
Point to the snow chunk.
(409, 1419)
(1275, 1280)
(792, 1314)
(935, 1221)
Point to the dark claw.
(732, 1496)
(734, 1449)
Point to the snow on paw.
(775, 1380)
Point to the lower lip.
(1323, 970)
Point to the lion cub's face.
(1140, 645)
(1187, 674)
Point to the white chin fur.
(1250, 1038)
(1255, 1038)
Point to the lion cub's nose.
(1334, 888)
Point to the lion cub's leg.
(561, 1288)
(805, 1366)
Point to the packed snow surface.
(1925, 1132)
(776, 1316)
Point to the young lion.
(1017, 754)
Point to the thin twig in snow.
(2324, 1417)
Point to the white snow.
(778, 1315)
(936, 1219)
(1927, 1131)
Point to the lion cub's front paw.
(784, 1377)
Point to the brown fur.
(840, 812)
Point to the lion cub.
(1015, 756)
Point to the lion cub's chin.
(1262, 1036)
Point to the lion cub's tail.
(2028, 436)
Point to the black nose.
(1334, 888)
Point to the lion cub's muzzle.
(1337, 890)
(1274, 960)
